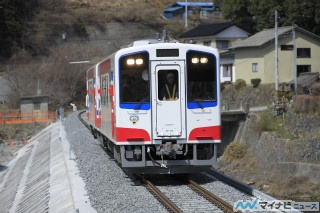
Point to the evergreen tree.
(263, 13)
(303, 13)
(13, 14)
(256, 15)
(237, 12)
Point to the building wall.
(34, 104)
(303, 41)
(244, 57)
(26, 105)
(265, 57)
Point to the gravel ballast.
(109, 188)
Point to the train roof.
(164, 38)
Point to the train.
(155, 104)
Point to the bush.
(239, 84)
(315, 89)
(264, 122)
(235, 150)
(306, 103)
(255, 82)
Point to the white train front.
(156, 106)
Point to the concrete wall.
(282, 154)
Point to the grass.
(19, 131)
(234, 151)
(267, 122)
(315, 195)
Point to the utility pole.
(276, 48)
(64, 38)
(186, 14)
(294, 59)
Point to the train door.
(168, 99)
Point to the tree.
(255, 15)
(13, 14)
(305, 14)
(237, 12)
(263, 12)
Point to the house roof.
(179, 5)
(194, 4)
(306, 79)
(206, 30)
(171, 9)
(268, 35)
(35, 97)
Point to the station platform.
(43, 177)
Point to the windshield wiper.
(199, 104)
(139, 105)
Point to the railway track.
(82, 120)
(211, 201)
(169, 205)
(226, 207)
(173, 195)
(198, 199)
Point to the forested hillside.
(254, 15)
(39, 38)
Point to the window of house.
(226, 70)
(286, 47)
(254, 67)
(207, 43)
(303, 53)
(303, 68)
(222, 44)
(203, 14)
(37, 106)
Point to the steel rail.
(211, 197)
(82, 120)
(169, 205)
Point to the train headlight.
(130, 61)
(139, 61)
(195, 60)
(203, 60)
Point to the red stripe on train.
(205, 133)
(131, 135)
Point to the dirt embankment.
(284, 167)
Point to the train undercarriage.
(167, 157)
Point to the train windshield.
(202, 77)
(134, 79)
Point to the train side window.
(90, 87)
(168, 87)
(105, 87)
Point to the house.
(220, 36)
(34, 104)
(178, 10)
(255, 56)
(4, 90)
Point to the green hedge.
(255, 82)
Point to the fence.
(27, 117)
(234, 106)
